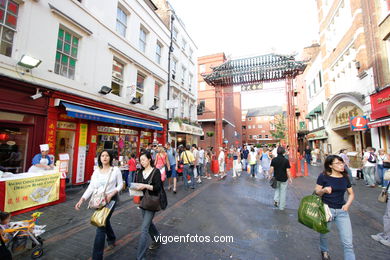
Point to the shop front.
(22, 119)
(338, 114)
(81, 129)
(184, 134)
(380, 119)
(318, 140)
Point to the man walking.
(280, 169)
(244, 157)
(369, 162)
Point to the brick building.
(231, 106)
(259, 123)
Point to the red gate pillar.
(292, 131)
(218, 117)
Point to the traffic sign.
(358, 123)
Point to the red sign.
(359, 123)
(380, 104)
(379, 123)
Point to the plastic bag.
(311, 213)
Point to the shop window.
(142, 39)
(16, 117)
(13, 147)
(158, 52)
(156, 100)
(121, 22)
(8, 18)
(117, 78)
(66, 55)
(140, 87)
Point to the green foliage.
(280, 127)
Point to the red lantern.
(4, 137)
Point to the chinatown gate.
(260, 69)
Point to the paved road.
(242, 209)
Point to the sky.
(247, 28)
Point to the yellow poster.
(30, 192)
(83, 134)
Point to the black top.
(280, 165)
(308, 151)
(339, 186)
(156, 181)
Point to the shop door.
(65, 144)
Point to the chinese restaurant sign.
(30, 192)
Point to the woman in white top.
(382, 159)
(98, 181)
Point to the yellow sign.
(83, 134)
(30, 192)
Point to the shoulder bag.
(151, 202)
(386, 176)
(98, 199)
(273, 182)
(311, 213)
(384, 195)
(99, 217)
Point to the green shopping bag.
(311, 213)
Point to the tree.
(280, 127)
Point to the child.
(132, 169)
(5, 219)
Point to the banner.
(30, 192)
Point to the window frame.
(159, 46)
(141, 40)
(116, 80)
(4, 27)
(140, 91)
(63, 53)
(121, 23)
(156, 98)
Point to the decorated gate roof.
(265, 68)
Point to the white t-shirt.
(195, 153)
(98, 181)
(368, 164)
(201, 156)
(381, 158)
(221, 157)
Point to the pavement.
(241, 208)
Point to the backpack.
(372, 158)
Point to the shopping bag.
(311, 213)
(99, 217)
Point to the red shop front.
(380, 116)
(82, 128)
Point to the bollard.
(299, 170)
(214, 166)
(306, 170)
(293, 170)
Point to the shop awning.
(379, 123)
(108, 117)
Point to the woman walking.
(332, 185)
(252, 157)
(104, 175)
(162, 163)
(383, 160)
(149, 179)
(265, 163)
(236, 163)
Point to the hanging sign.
(82, 153)
(359, 123)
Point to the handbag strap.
(151, 177)
(188, 161)
(388, 185)
(109, 175)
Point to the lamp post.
(169, 66)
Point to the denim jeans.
(280, 194)
(380, 172)
(200, 169)
(343, 223)
(130, 178)
(369, 175)
(244, 164)
(188, 171)
(101, 232)
(253, 169)
(147, 228)
(386, 224)
(125, 176)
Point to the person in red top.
(132, 169)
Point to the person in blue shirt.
(42, 160)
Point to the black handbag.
(386, 164)
(151, 202)
(273, 182)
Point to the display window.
(120, 141)
(13, 148)
(146, 138)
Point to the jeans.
(381, 171)
(125, 176)
(308, 158)
(188, 171)
(343, 223)
(280, 194)
(245, 164)
(386, 224)
(147, 228)
(253, 169)
(200, 169)
(369, 175)
(101, 232)
(236, 164)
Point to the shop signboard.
(82, 153)
(30, 192)
(185, 128)
(358, 123)
(380, 104)
(321, 134)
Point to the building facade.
(231, 106)
(347, 71)
(259, 123)
(101, 83)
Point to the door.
(65, 144)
